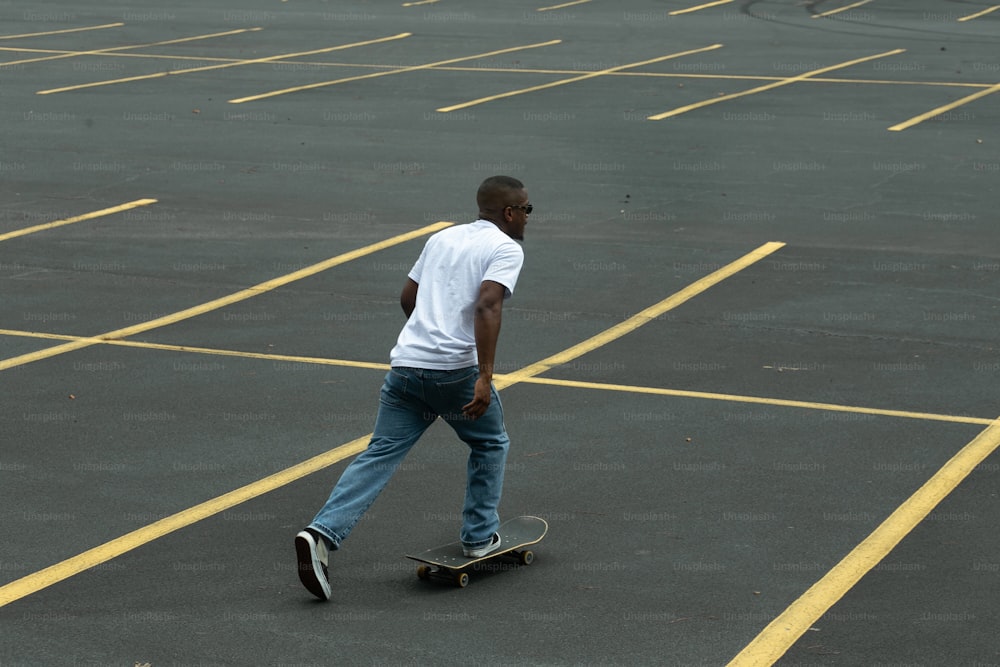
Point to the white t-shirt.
(440, 333)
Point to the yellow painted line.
(528, 70)
(53, 574)
(63, 32)
(781, 633)
(322, 361)
(115, 49)
(562, 82)
(886, 82)
(642, 317)
(60, 571)
(757, 400)
(37, 334)
(79, 218)
(562, 6)
(841, 9)
(942, 109)
(215, 304)
(190, 349)
(120, 54)
(698, 8)
(653, 75)
(523, 70)
(401, 70)
(784, 82)
(553, 382)
(978, 14)
(687, 75)
(206, 68)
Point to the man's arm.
(487, 328)
(408, 297)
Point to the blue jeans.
(411, 399)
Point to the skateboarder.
(442, 365)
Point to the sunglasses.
(527, 208)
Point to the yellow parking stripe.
(779, 635)
(53, 574)
(642, 317)
(986, 11)
(206, 68)
(116, 547)
(63, 32)
(759, 89)
(840, 9)
(401, 70)
(698, 8)
(501, 379)
(582, 77)
(944, 108)
(215, 304)
(79, 218)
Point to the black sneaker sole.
(307, 573)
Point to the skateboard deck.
(447, 561)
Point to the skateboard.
(448, 563)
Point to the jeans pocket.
(393, 388)
(456, 382)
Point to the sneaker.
(313, 557)
(479, 552)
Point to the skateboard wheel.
(462, 579)
(424, 571)
(527, 557)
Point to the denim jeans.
(411, 399)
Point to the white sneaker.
(479, 552)
(313, 557)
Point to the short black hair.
(497, 192)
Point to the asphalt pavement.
(749, 371)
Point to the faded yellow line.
(215, 304)
(401, 70)
(79, 218)
(686, 75)
(53, 574)
(562, 6)
(698, 8)
(501, 379)
(105, 552)
(978, 14)
(205, 68)
(322, 361)
(841, 9)
(114, 49)
(37, 334)
(942, 109)
(525, 70)
(530, 70)
(120, 54)
(420, 2)
(784, 82)
(759, 400)
(63, 32)
(781, 633)
(886, 82)
(642, 317)
(562, 82)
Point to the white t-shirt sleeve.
(505, 266)
(418, 266)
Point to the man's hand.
(480, 401)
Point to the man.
(442, 365)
